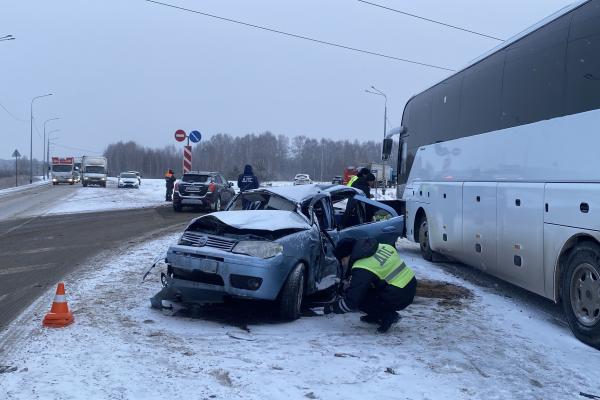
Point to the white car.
(128, 180)
(139, 176)
(302, 179)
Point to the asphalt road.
(38, 251)
(33, 201)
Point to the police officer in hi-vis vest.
(380, 285)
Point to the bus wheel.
(426, 251)
(581, 293)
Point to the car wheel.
(292, 294)
(426, 251)
(581, 293)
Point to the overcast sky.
(131, 70)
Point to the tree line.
(273, 157)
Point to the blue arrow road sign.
(195, 136)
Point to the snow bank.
(485, 347)
(93, 198)
(21, 188)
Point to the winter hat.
(370, 177)
(363, 172)
(344, 248)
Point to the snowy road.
(458, 341)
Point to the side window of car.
(217, 179)
(376, 214)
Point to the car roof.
(201, 173)
(303, 192)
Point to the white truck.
(62, 170)
(377, 170)
(94, 170)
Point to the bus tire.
(423, 238)
(581, 293)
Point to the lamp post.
(380, 93)
(46, 160)
(31, 136)
(48, 145)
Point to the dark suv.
(202, 189)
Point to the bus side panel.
(480, 225)
(573, 204)
(445, 217)
(521, 235)
(555, 238)
(413, 202)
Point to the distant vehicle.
(77, 170)
(498, 167)
(337, 180)
(349, 172)
(137, 174)
(202, 189)
(62, 170)
(94, 171)
(302, 179)
(128, 180)
(273, 244)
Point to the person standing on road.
(365, 183)
(247, 181)
(380, 282)
(169, 183)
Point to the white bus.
(499, 164)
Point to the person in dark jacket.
(380, 282)
(361, 172)
(169, 183)
(365, 183)
(247, 181)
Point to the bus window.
(445, 107)
(583, 60)
(534, 75)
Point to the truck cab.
(94, 171)
(62, 170)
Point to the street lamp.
(31, 136)
(380, 93)
(46, 160)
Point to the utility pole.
(380, 93)
(31, 136)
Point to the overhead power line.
(12, 115)
(293, 35)
(431, 20)
(75, 148)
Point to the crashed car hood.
(266, 220)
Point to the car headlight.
(256, 248)
(103, 179)
(54, 180)
(85, 179)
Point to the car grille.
(201, 240)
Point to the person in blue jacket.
(247, 181)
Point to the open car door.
(365, 218)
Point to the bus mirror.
(387, 149)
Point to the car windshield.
(301, 176)
(94, 169)
(62, 168)
(261, 201)
(129, 176)
(195, 178)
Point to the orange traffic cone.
(59, 314)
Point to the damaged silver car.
(272, 244)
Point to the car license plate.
(209, 266)
(192, 189)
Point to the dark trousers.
(169, 195)
(383, 302)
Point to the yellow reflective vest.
(352, 180)
(388, 266)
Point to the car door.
(374, 220)
(327, 269)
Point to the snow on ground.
(94, 198)
(37, 182)
(486, 346)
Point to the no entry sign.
(180, 135)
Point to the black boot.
(370, 319)
(388, 321)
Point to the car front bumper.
(206, 275)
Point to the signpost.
(194, 137)
(16, 155)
